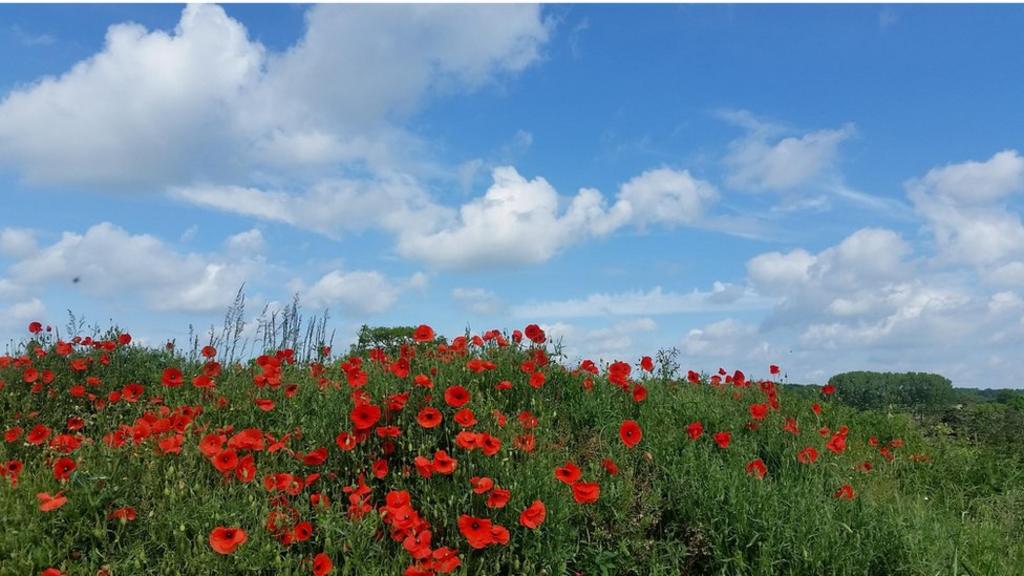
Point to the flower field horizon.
(482, 454)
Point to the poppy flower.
(845, 492)
(610, 466)
(807, 456)
(35, 327)
(125, 513)
(586, 492)
(465, 418)
(773, 369)
(757, 469)
(456, 396)
(837, 443)
(647, 364)
(695, 430)
(63, 467)
(533, 515)
(723, 439)
(630, 433)
(38, 434)
(537, 380)
(429, 417)
(443, 463)
(225, 540)
(423, 333)
(498, 498)
(816, 408)
(51, 572)
(171, 377)
(322, 564)
(226, 460)
(481, 485)
(568, 474)
(477, 531)
(48, 503)
(209, 351)
(758, 411)
(534, 333)
(828, 389)
(264, 404)
(365, 416)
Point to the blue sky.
(823, 187)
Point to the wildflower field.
(481, 454)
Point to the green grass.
(675, 507)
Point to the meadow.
(478, 454)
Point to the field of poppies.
(480, 454)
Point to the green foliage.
(677, 506)
(916, 392)
(387, 338)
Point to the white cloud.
(148, 107)
(615, 342)
(665, 196)
(652, 302)
(204, 102)
(17, 242)
(520, 221)
(15, 318)
(357, 293)
(765, 159)
(726, 338)
(962, 204)
(108, 262)
(245, 243)
(478, 301)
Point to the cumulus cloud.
(655, 301)
(727, 338)
(966, 207)
(108, 262)
(767, 159)
(356, 293)
(608, 343)
(245, 243)
(521, 221)
(205, 102)
(478, 301)
(17, 242)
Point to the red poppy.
(791, 427)
(630, 433)
(845, 492)
(610, 466)
(586, 492)
(456, 396)
(807, 456)
(533, 515)
(828, 389)
(226, 460)
(534, 333)
(226, 540)
(63, 467)
(365, 416)
(322, 564)
(423, 333)
(816, 408)
(465, 418)
(171, 377)
(481, 485)
(537, 380)
(443, 463)
(695, 430)
(568, 474)
(51, 572)
(48, 503)
(429, 417)
(477, 531)
(757, 469)
(837, 443)
(209, 351)
(125, 513)
(498, 498)
(38, 434)
(758, 411)
(647, 364)
(723, 439)
(773, 369)
(264, 404)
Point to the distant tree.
(917, 392)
